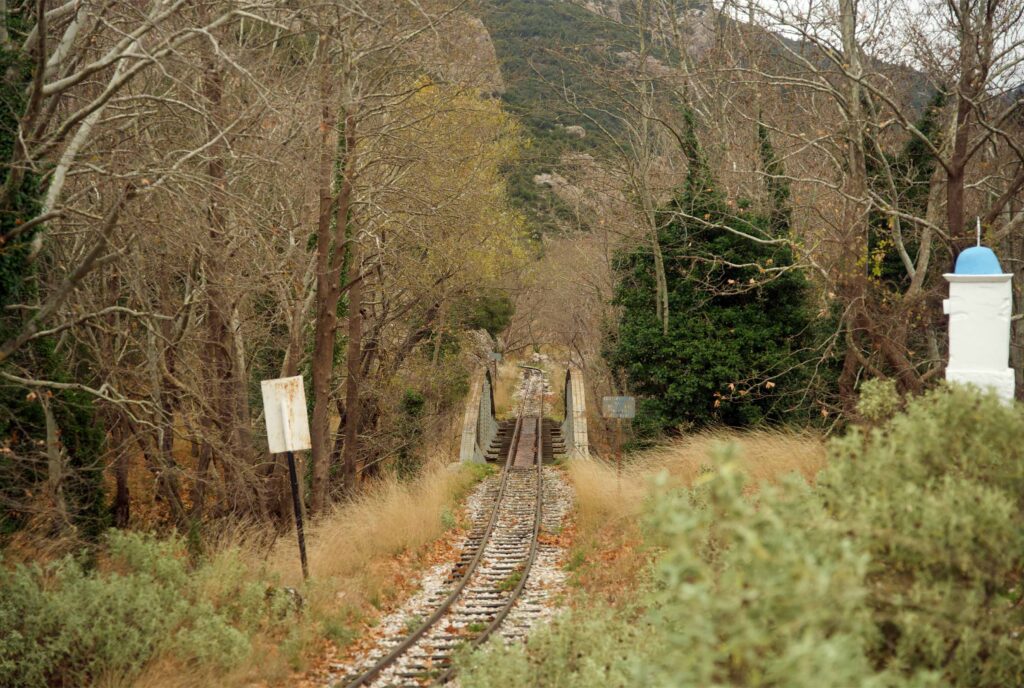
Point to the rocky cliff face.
(694, 25)
(605, 8)
(464, 54)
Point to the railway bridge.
(485, 438)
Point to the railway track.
(491, 572)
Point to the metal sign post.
(493, 359)
(284, 406)
(618, 408)
(618, 448)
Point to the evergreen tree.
(739, 321)
(910, 171)
(22, 418)
(775, 182)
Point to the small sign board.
(496, 357)
(284, 405)
(618, 407)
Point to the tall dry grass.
(554, 402)
(764, 455)
(608, 554)
(387, 519)
(362, 556)
(604, 493)
(509, 376)
(366, 552)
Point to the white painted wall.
(979, 309)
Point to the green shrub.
(341, 628)
(210, 639)
(745, 598)
(935, 497)
(246, 602)
(770, 593)
(879, 400)
(448, 519)
(63, 625)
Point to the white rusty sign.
(618, 407)
(284, 405)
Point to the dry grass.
(360, 559)
(608, 556)
(605, 494)
(764, 455)
(509, 376)
(363, 555)
(168, 673)
(389, 518)
(554, 403)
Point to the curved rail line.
(410, 640)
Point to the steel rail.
(531, 558)
(374, 671)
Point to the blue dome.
(977, 260)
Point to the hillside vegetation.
(542, 47)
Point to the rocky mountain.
(463, 53)
(544, 46)
(548, 52)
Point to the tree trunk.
(163, 467)
(661, 290)
(326, 318)
(121, 508)
(239, 383)
(159, 452)
(204, 457)
(850, 282)
(352, 360)
(5, 38)
(330, 256)
(55, 467)
(228, 396)
(855, 146)
(961, 131)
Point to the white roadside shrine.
(979, 310)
